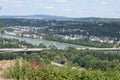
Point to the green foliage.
(52, 47)
(8, 56)
(14, 43)
(50, 72)
(100, 28)
(1, 26)
(94, 59)
(83, 42)
(86, 58)
(42, 46)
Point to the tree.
(52, 47)
(41, 45)
(1, 26)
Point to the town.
(61, 29)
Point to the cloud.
(104, 2)
(40, 0)
(15, 3)
(49, 7)
(107, 1)
(18, 3)
(8, 1)
(61, 1)
(67, 9)
(4, 0)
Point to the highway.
(100, 49)
(40, 49)
(22, 49)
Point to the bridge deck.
(40, 49)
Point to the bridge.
(40, 49)
(100, 49)
(22, 49)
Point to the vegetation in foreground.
(86, 58)
(24, 70)
(99, 65)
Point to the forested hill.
(39, 16)
(84, 26)
(97, 19)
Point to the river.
(45, 42)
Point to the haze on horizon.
(70, 8)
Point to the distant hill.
(39, 16)
(53, 17)
(96, 19)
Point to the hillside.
(79, 64)
(38, 16)
(87, 27)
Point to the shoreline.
(68, 44)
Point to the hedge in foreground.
(24, 70)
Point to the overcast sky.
(71, 8)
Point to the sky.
(69, 8)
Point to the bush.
(28, 71)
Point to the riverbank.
(62, 43)
(45, 42)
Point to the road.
(40, 49)
(100, 49)
(21, 49)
